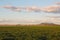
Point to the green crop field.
(32, 32)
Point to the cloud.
(58, 3)
(32, 9)
(53, 16)
(15, 21)
(48, 9)
(13, 8)
(51, 9)
(5, 20)
(28, 9)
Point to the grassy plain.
(29, 32)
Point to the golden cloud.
(51, 9)
(48, 9)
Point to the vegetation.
(29, 32)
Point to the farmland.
(29, 32)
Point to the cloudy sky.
(29, 11)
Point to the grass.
(30, 32)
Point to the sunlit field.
(19, 32)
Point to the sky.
(29, 11)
